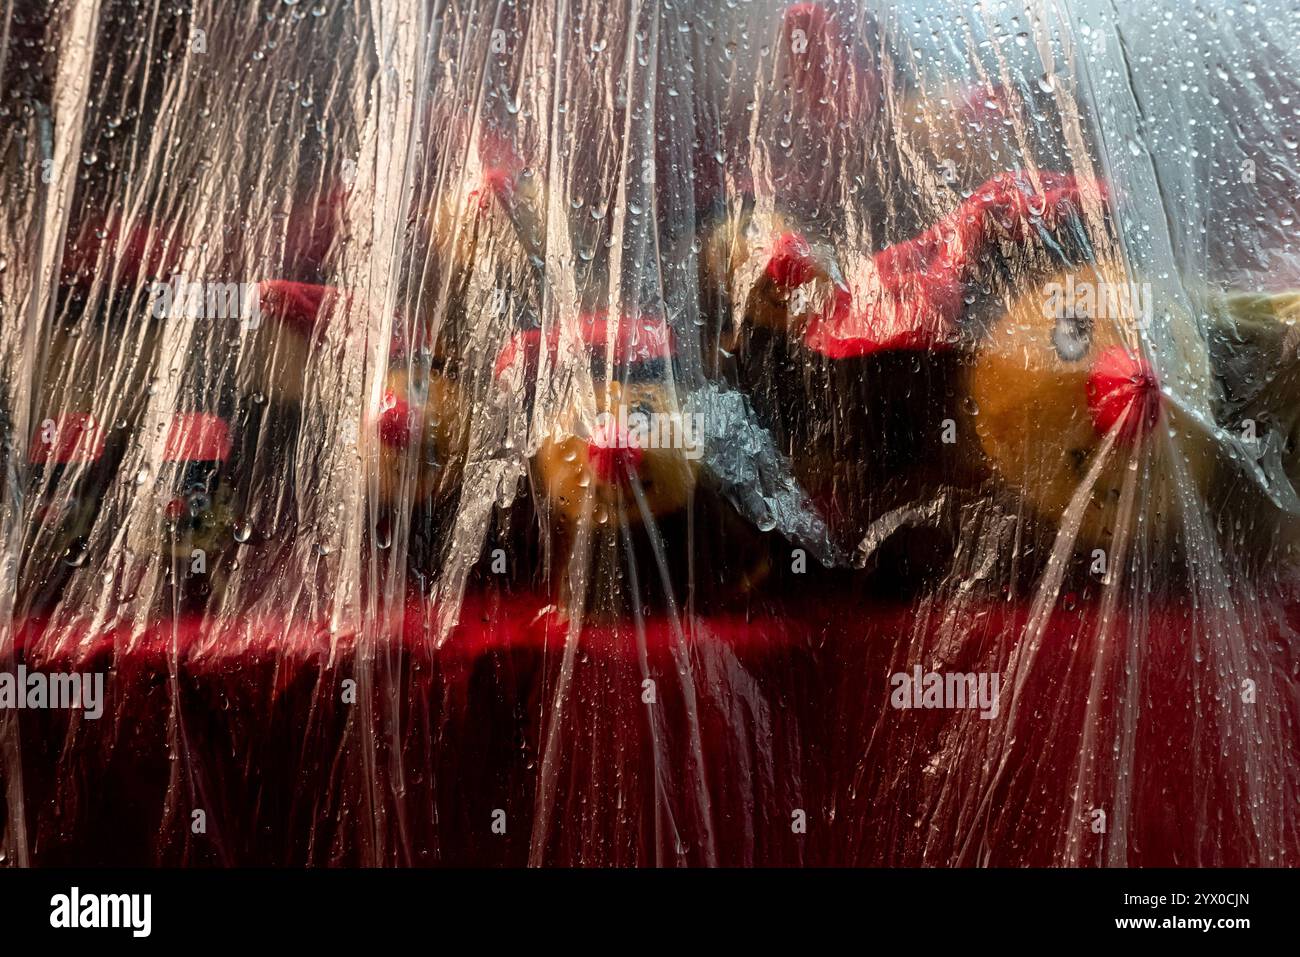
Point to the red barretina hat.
(634, 339)
(912, 295)
(76, 438)
(197, 437)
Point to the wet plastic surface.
(710, 433)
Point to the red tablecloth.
(750, 725)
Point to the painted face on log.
(636, 461)
(1093, 403)
(421, 419)
(624, 451)
(65, 455)
(199, 514)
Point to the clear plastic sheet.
(652, 434)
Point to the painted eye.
(1072, 337)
